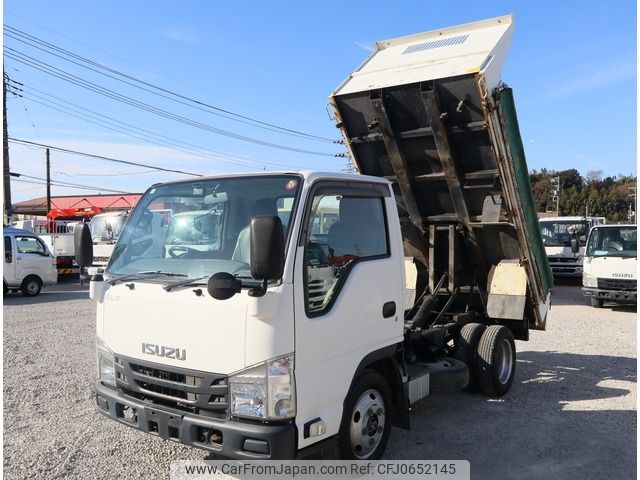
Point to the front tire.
(596, 302)
(366, 420)
(496, 363)
(31, 286)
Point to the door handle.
(389, 309)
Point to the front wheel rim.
(367, 424)
(505, 361)
(32, 287)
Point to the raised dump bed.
(429, 113)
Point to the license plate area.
(164, 424)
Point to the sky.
(571, 64)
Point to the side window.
(30, 245)
(342, 230)
(8, 256)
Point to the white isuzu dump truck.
(611, 265)
(564, 241)
(292, 333)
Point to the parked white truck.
(105, 230)
(289, 338)
(58, 237)
(611, 265)
(564, 240)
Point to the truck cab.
(29, 265)
(105, 230)
(610, 265)
(564, 241)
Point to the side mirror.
(223, 286)
(575, 247)
(83, 245)
(267, 251)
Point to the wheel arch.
(385, 361)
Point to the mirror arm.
(259, 291)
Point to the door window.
(30, 245)
(8, 257)
(342, 231)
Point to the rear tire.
(31, 286)
(466, 350)
(596, 302)
(496, 362)
(366, 420)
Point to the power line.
(74, 79)
(91, 86)
(199, 150)
(117, 174)
(137, 65)
(100, 157)
(50, 48)
(64, 185)
(110, 123)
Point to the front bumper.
(565, 270)
(620, 296)
(241, 440)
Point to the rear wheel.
(31, 286)
(496, 362)
(465, 350)
(366, 420)
(596, 302)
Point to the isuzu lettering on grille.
(162, 351)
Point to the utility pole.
(631, 215)
(555, 190)
(48, 182)
(8, 208)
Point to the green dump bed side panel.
(512, 130)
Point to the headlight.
(106, 364)
(264, 391)
(589, 280)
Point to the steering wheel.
(179, 251)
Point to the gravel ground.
(571, 412)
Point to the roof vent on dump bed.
(445, 42)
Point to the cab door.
(32, 257)
(9, 271)
(349, 281)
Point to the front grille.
(617, 284)
(188, 390)
(563, 260)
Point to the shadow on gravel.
(46, 297)
(568, 281)
(563, 378)
(621, 308)
(568, 295)
(566, 416)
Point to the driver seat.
(263, 207)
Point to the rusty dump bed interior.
(453, 152)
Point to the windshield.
(559, 234)
(106, 227)
(200, 228)
(613, 242)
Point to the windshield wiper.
(128, 276)
(170, 286)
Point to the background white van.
(28, 263)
